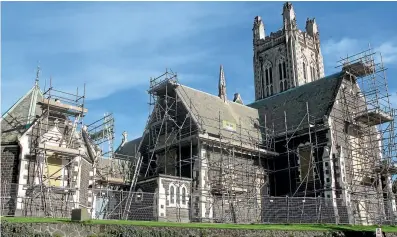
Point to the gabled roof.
(17, 119)
(319, 94)
(129, 148)
(215, 114)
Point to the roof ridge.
(337, 74)
(202, 92)
(231, 101)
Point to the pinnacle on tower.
(258, 29)
(311, 27)
(222, 85)
(289, 15)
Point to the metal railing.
(110, 204)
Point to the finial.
(124, 139)
(287, 6)
(237, 98)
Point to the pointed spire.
(35, 94)
(37, 75)
(222, 85)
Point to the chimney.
(237, 98)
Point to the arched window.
(183, 195)
(178, 195)
(172, 194)
(281, 86)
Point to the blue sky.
(115, 47)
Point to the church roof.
(219, 117)
(17, 119)
(214, 115)
(319, 94)
(129, 148)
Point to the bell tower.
(286, 58)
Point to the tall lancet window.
(312, 71)
(282, 71)
(269, 79)
(262, 81)
(304, 68)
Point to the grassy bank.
(292, 227)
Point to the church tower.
(286, 58)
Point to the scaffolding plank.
(112, 180)
(56, 105)
(359, 69)
(372, 118)
(61, 150)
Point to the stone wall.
(102, 230)
(234, 184)
(355, 152)
(85, 196)
(9, 177)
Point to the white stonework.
(162, 212)
(23, 174)
(286, 58)
(206, 208)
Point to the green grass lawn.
(296, 227)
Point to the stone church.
(307, 150)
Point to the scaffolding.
(366, 137)
(349, 157)
(332, 169)
(112, 170)
(55, 147)
(174, 132)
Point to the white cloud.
(110, 46)
(336, 50)
(389, 52)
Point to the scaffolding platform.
(372, 118)
(111, 180)
(386, 169)
(56, 105)
(360, 68)
(159, 83)
(225, 188)
(62, 150)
